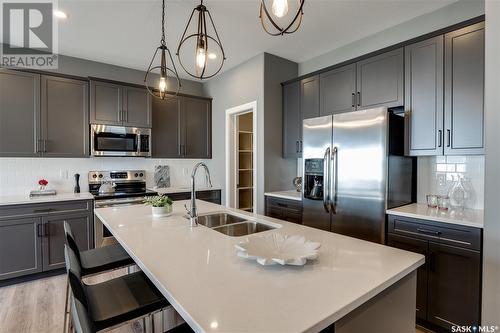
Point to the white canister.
(162, 211)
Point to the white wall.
(491, 237)
(20, 175)
(435, 177)
(441, 18)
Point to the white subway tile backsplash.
(18, 176)
(436, 174)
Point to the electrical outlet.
(441, 179)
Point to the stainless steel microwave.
(120, 141)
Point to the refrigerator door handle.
(326, 180)
(333, 190)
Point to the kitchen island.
(358, 285)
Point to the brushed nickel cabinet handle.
(353, 99)
(448, 134)
(359, 98)
(440, 138)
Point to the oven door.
(118, 141)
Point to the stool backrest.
(79, 306)
(70, 240)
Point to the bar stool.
(94, 261)
(112, 303)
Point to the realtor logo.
(28, 35)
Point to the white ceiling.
(126, 32)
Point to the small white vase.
(161, 211)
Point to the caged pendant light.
(163, 70)
(279, 9)
(207, 49)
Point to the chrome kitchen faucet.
(192, 211)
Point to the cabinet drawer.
(283, 203)
(456, 235)
(273, 212)
(45, 208)
(293, 217)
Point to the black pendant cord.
(162, 41)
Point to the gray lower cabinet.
(464, 91)
(64, 117)
(292, 121)
(213, 196)
(309, 97)
(32, 235)
(20, 247)
(424, 97)
(19, 113)
(380, 80)
(182, 127)
(54, 240)
(338, 90)
(116, 104)
(284, 209)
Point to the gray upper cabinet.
(20, 247)
(196, 131)
(106, 103)
(64, 117)
(122, 105)
(309, 97)
(137, 107)
(380, 80)
(464, 91)
(166, 135)
(19, 113)
(338, 90)
(292, 121)
(182, 127)
(424, 97)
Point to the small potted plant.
(161, 205)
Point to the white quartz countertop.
(466, 217)
(197, 270)
(182, 189)
(26, 199)
(289, 195)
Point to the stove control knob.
(94, 176)
(141, 174)
(136, 175)
(100, 175)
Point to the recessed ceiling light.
(60, 14)
(212, 56)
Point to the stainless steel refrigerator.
(354, 169)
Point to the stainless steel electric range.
(128, 187)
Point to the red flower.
(42, 182)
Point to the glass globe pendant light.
(279, 9)
(161, 86)
(208, 53)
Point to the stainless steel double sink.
(232, 225)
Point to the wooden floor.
(37, 306)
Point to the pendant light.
(203, 44)
(162, 70)
(279, 9)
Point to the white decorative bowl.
(161, 211)
(278, 249)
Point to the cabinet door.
(137, 107)
(106, 103)
(54, 240)
(197, 128)
(292, 121)
(338, 90)
(454, 286)
(309, 97)
(380, 80)
(424, 97)
(417, 246)
(20, 247)
(19, 113)
(464, 90)
(65, 117)
(166, 130)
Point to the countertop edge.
(26, 200)
(282, 195)
(447, 220)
